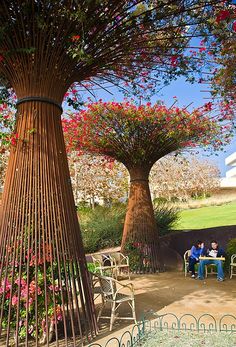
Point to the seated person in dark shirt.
(195, 253)
(215, 252)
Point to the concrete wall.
(183, 240)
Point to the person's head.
(214, 244)
(198, 243)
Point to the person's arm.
(221, 253)
(193, 253)
(202, 250)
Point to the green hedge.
(103, 226)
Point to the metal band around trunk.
(39, 98)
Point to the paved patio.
(172, 292)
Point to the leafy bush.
(166, 217)
(231, 247)
(91, 267)
(160, 200)
(230, 250)
(102, 227)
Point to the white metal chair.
(186, 261)
(232, 265)
(121, 262)
(103, 264)
(210, 269)
(112, 293)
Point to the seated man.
(215, 252)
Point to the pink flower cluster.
(26, 293)
(5, 287)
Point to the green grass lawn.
(207, 217)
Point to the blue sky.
(185, 93)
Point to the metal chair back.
(187, 255)
(186, 261)
(108, 285)
(233, 258)
(117, 257)
(97, 258)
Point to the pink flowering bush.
(23, 294)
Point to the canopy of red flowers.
(142, 134)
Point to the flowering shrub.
(27, 291)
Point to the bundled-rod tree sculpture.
(138, 136)
(45, 46)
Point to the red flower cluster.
(234, 26)
(14, 139)
(75, 38)
(222, 15)
(174, 60)
(111, 128)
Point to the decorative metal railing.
(169, 321)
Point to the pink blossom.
(31, 329)
(14, 300)
(20, 281)
(5, 284)
(32, 261)
(59, 317)
(32, 288)
(30, 302)
(56, 288)
(24, 293)
(58, 313)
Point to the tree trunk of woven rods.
(140, 235)
(45, 289)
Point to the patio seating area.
(210, 269)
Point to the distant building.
(230, 180)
